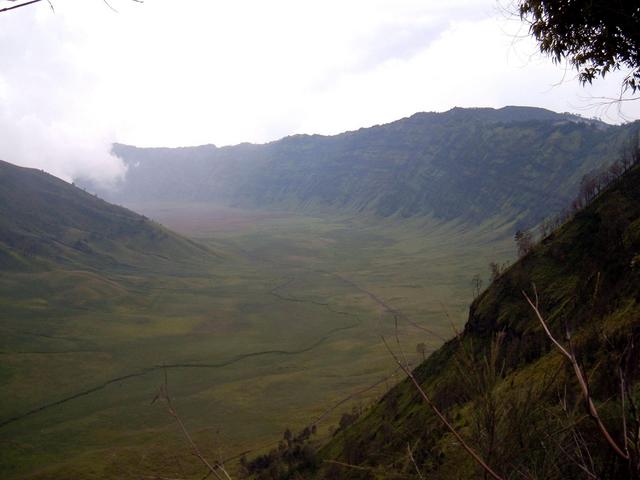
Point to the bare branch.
(351, 396)
(348, 465)
(30, 2)
(6, 9)
(413, 460)
(546, 328)
(442, 418)
(212, 469)
(582, 381)
(624, 413)
(109, 5)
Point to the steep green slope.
(502, 384)
(516, 162)
(46, 222)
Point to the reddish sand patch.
(200, 219)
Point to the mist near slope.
(52, 113)
(69, 87)
(59, 149)
(517, 163)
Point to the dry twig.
(442, 418)
(217, 469)
(413, 460)
(581, 377)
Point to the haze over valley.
(339, 274)
(303, 254)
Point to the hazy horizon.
(226, 73)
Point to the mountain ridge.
(521, 163)
(502, 114)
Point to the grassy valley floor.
(284, 325)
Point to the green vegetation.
(516, 163)
(271, 321)
(47, 223)
(281, 324)
(503, 385)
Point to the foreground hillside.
(502, 384)
(514, 163)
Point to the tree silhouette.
(595, 36)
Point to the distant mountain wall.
(520, 163)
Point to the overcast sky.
(168, 73)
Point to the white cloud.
(44, 116)
(185, 73)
